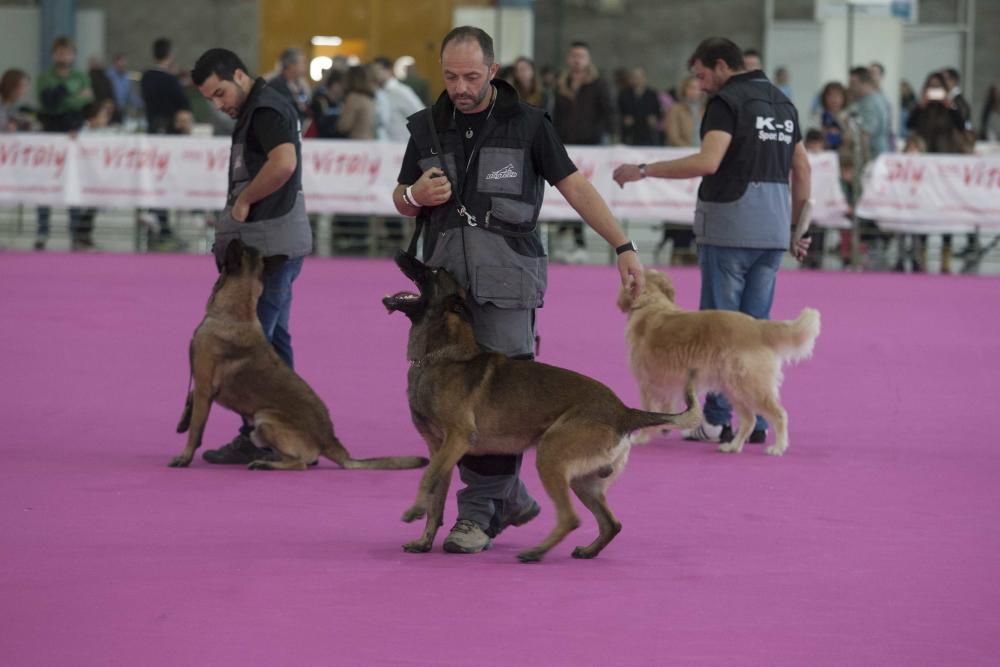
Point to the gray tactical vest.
(277, 224)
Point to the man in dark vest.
(473, 175)
(750, 142)
(265, 207)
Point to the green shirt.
(73, 100)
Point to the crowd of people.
(355, 100)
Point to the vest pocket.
(501, 170)
(510, 217)
(501, 276)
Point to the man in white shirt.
(394, 102)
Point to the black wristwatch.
(625, 247)
(642, 170)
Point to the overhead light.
(326, 40)
(319, 65)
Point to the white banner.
(933, 193)
(351, 177)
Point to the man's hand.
(240, 210)
(800, 248)
(432, 188)
(626, 173)
(630, 268)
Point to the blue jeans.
(740, 279)
(274, 310)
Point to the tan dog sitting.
(731, 352)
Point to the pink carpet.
(874, 541)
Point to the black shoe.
(757, 437)
(240, 451)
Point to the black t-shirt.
(269, 129)
(548, 154)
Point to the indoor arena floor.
(873, 541)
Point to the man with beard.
(473, 176)
(265, 207)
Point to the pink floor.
(874, 541)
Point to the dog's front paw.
(259, 465)
(417, 547)
(531, 555)
(414, 513)
(774, 450)
(180, 461)
(584, 552)
(730, 447)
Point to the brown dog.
(233, 364)
(464, 400)
(731, 352)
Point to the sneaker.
(707, 433)
(520, 518)
(466, 538)
(757, 437)
(239, 451)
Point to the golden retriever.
(731, 352)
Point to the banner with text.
(350, 177)
(928, 193)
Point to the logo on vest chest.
(503, 172)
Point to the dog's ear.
(233, 259)
(661, 282)
(411, 267)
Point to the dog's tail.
(336, 452)
(635, 420)
(794, 340)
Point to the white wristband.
(408, 195)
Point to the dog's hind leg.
(552, 469)
(283, 441)
(590, 489)
(772, 411)
(200, 401)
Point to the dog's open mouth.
(400, 301)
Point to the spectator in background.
(526, 82)
(583, 116)
(941, 126)
(97, 120)
(100, 84)
(63, 92)
(549, 78)
(291, 80)
(751, 60)
(162, 93)
(327, 105)
(357, 120)
(878, 74)
(952, 79)
(394, 102)
(418, 84)
(13, 87)
(163, 97)
(913, 246)
(989, 122)
(639, 111)
(870, 113)
(783, 80)
(831, 117)
(907, 103)
(684, 116)
(123, 92)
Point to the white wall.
(512, 29)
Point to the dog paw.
(259, 465)
(531, 555)
(730, 448)
(774, 450)
(417, 547)
(413, 514)
(180, 462)
(584, 552)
